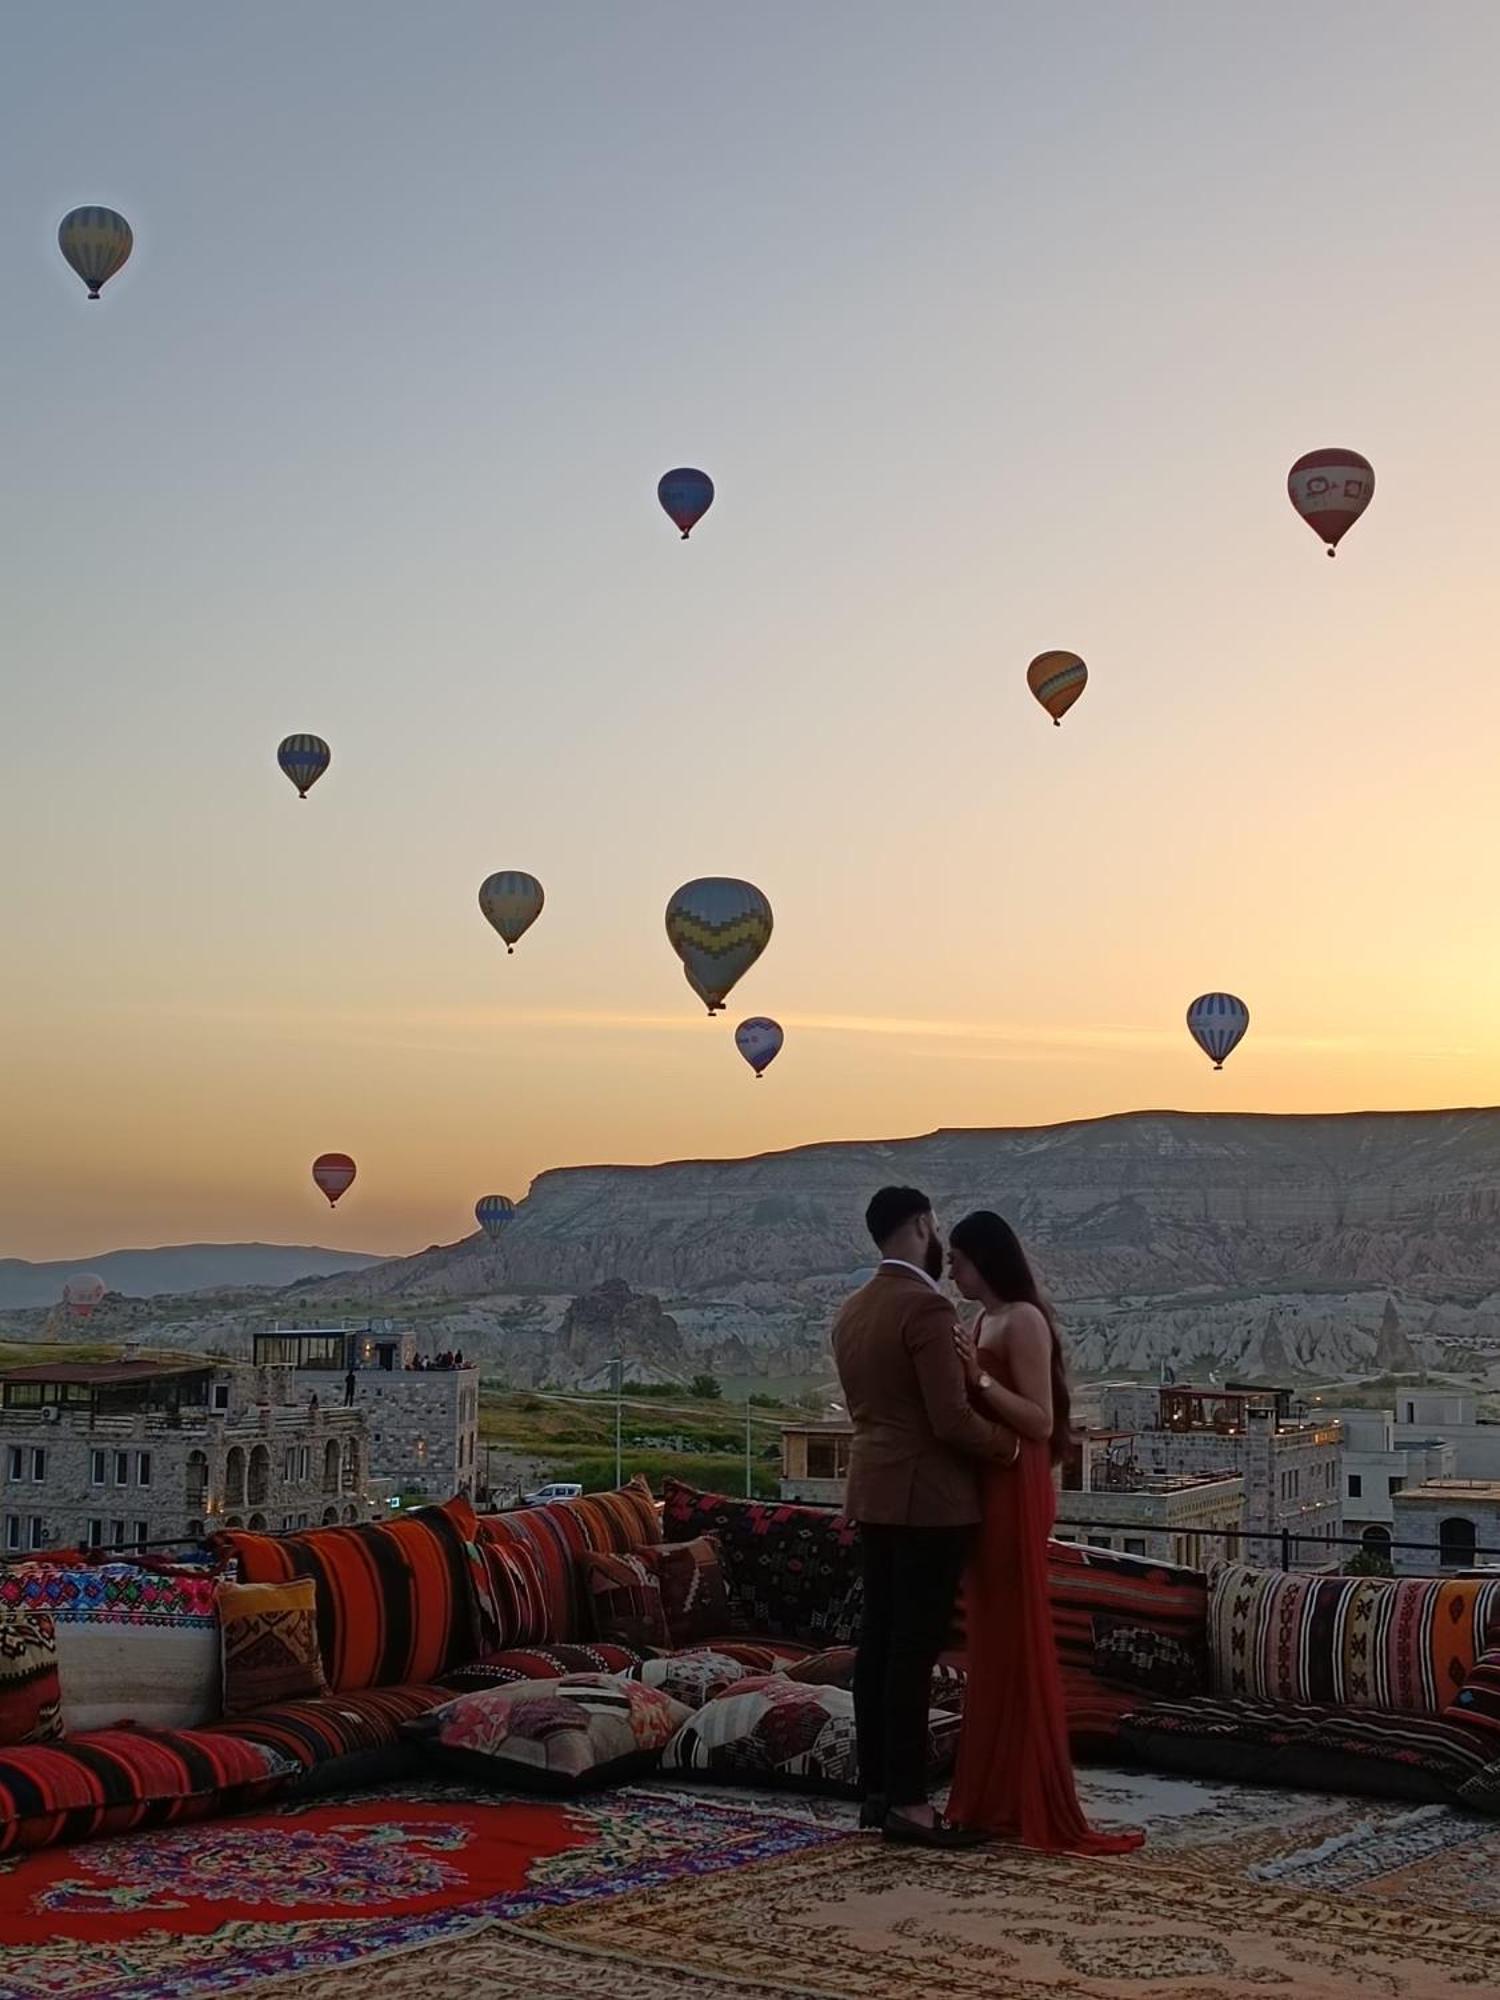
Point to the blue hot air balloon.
(304, 760)
(1217, 1023)
(686, 494)
(492, 1212)
(759, 1041)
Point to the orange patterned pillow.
(270, 1641)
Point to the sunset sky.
(997, 326)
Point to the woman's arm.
(1026, 1409)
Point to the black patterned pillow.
(792, 1572)
(771, 1731)
(1139, 1657)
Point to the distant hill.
(176, 1268)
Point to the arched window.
(234, 1521)
(260, 1475)
(1377, 1537)
(351, 1465)
(1456, 1539)
(197, 1481)
(330, 1517)
(194, 1528)
(258, 1523)
(234, 1477)
(331, 1466)
(351, 1513)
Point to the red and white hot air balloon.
(1330, 489)
(84, 1294)
(334, 1174)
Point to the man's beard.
(933, 1258)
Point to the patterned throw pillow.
(702, 1675)
(270, 1638)
(694, 1594)
(554, 1736)
(1406, 1645)
(562, 1531)
(397, 1600)
(136, 1643)
(540, 1663)
(1478, 1700)
(776, 1731)
(30, 1697)
(1137, 1657)
(518, 1591)
(792, 1572)
(625, 1602)
(1086, 1588)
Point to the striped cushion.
(1401, 1644)
(1094, 1590)
(541, 1663)
(397, 1600)
(557, 1534)
(517, 1591)
(1477, 1703)
(116, 1780)
(306, 1734)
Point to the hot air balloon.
(96, 243)
(686, 495)
(511, 902)
(492, 1212)
(1330, 489)
(83, 1294)
(334, 1174)
(1217, 1023)
(718, 927)
(759, 1041)
(1057, 680)
(304, 760)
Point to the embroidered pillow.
(270, 1640)
(1137, 1657)
(30, 1697)
(563, 1530)
(625, 1601)
(554, 1736)
(835, 1668)
(792, 1572)
(777, 1731)
(540, 1663)
(694, 1594)
(696, 1678)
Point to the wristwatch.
(986, 1382)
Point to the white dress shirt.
(901, 1264)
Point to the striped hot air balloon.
(492, 1212)
(1217, 1023)
(686, 496)
(511, 903)
(334, 1174)
(304, 759)
(718, 927)
(1330, 489)
(759, 1040)
(96, 242)
(1057, 680)
(84, 1294)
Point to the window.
(15, 1463)
(117, 1533)
(1135, 1545)
(1356, 1486)
(1411, 1413)
(304, 1464)
(1456, 1540)
(1101, 1542)
(38, 1532)
(122, 1468)
(97, 1468)
(286, 1524)
(142, 1532)
(1297, 1484)
(143, 1468)
(95, 1536)
(221, 1395)
(1396, 1482)
(25, 1395)
(827, 1457)
(289, 1462)
(38, 1463)
(304, 1520)
(12, 1531)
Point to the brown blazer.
(919, 1443)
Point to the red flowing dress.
(1015, 1771)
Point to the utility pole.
(749, 1483)
(619, 1368)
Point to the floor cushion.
(30, 1696)
(398, 1602)
(759, 1654)
(701, 1673)
(136, 1643)
(269, 1636)
(1401, 1644)
(625, 1601)
(559, 1533)
(539, 1663)
(335, 1728)
(556, 1736)
(835, 1668)
(1314, 1748)
(789, 1570)
(774, 1731)
(116, 1780)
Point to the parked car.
(560, 1489)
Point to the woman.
(1015, 1771)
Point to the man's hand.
(968, 1354)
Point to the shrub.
(705, 1387)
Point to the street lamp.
(619, 1367)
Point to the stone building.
(1451, 1524)
(116, 1453)
(815, 1462)
(1377, 1465)
(1109, 1501)
(1290, 1466)
(423, 1422)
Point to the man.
(919, 1446)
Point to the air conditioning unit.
(50, 1413)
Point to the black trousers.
(911, 1585)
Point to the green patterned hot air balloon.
(718, 927)
(96, 242)
(511, 902)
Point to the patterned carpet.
(447, 1893)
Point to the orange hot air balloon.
(334, 1174)
(1330, 489)
(1057, 680)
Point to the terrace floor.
(443, 1891)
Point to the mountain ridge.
(176, 1270)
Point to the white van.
(560, 1489)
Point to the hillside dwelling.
(112, 1454)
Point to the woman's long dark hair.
(994, 1249)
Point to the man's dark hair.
(890, 1209)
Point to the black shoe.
(872, 1813)
(904, 1832)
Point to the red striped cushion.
(559, 1533)
(310, 1733)
(397, 1601)
(115, 1780)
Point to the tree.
(705, 1387)
(1369, 1562)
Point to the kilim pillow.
(777, 1731)
(694, 1595)
(1478, 1700)
(30, 1697)
(554, 1736)
(270, 1638)
(700, 1676)
(518, 1591)
(562, 1531)
(792, 1572)
(1406, 1645)
(835, 1668)
(625, 1602)
(397, 1600)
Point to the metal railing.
(1285, 1540)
